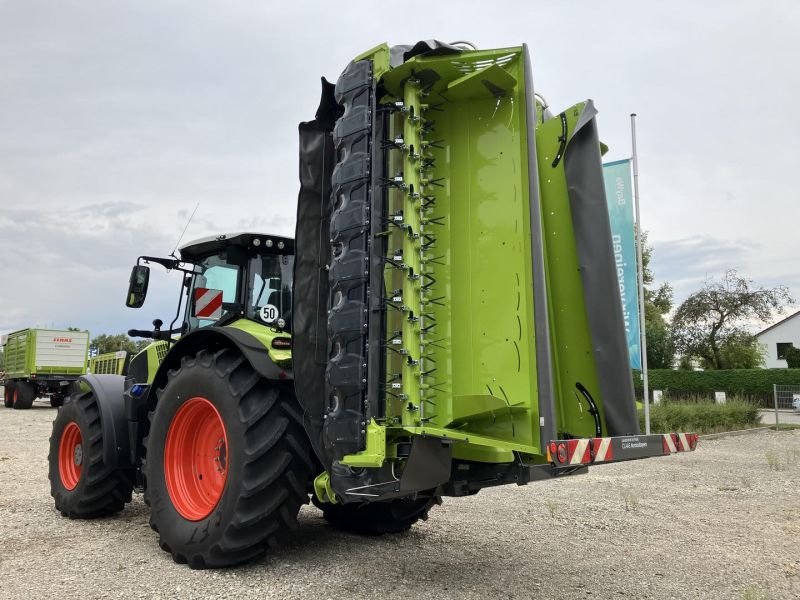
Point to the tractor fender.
(214, 339)
(108, 390)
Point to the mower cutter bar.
(589, 451)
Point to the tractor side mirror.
(137, 286)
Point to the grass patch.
(774, 461)
(784, 427)
(702, 416)
(754, 593)
(630, 499)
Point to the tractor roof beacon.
(446, 319)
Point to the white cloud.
(117, 118)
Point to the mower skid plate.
(599, 450)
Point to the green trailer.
(43, 363)
(446, 319)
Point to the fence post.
(775, 394)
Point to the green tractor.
(219, 394)
(446, 319)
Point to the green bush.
(751, 384)
(792, 357)
(701, 416)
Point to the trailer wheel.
(81, 484)
(8, 395)
(24, 395)
(228, 462)
(378, 518)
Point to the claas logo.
(63, 340)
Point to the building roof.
(781, 322)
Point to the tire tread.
(276, 458)
(105, 490)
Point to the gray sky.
(116, 118)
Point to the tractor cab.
(226, 277)
(240, 275)
(229, 278)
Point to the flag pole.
(640, 276)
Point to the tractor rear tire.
(228, 462)
(24, 395)
(378, 518)
(80, 482)
(8, 394)
(56, 400)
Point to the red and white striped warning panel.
(587, 451)
(679, 442)
(207, 303)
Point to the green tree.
(660, 346)
(659, 299)
(710, 325)
(112, 343)
(741, 352)
(657, 303)
(792, 358)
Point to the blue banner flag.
(617, 176)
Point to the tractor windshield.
(270, 293)
(258, 286)
(212, 273)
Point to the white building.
(776, 338)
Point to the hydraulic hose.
(592, 408)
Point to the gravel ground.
(717, 523)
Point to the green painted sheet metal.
(375, 452)
(323, 490)
(461, 359)
(411, 346)
(155, 353)
(466, 437)
(265, 335)
(109, 363)
(572, 344)
(18, 360)
(379, 55)
(461, 342)
(21, 354)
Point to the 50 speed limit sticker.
(269, 313)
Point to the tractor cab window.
(271, 289)
(215, 275)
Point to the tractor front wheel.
(82, 485)
(228, 462)
(378, 518)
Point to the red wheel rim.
(14, 397)
(70, 455)
(196, 459)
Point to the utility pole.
(640, 275)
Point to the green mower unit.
(446, 319)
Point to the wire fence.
(786, 404)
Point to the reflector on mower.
(585, 451)
(561, 455)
